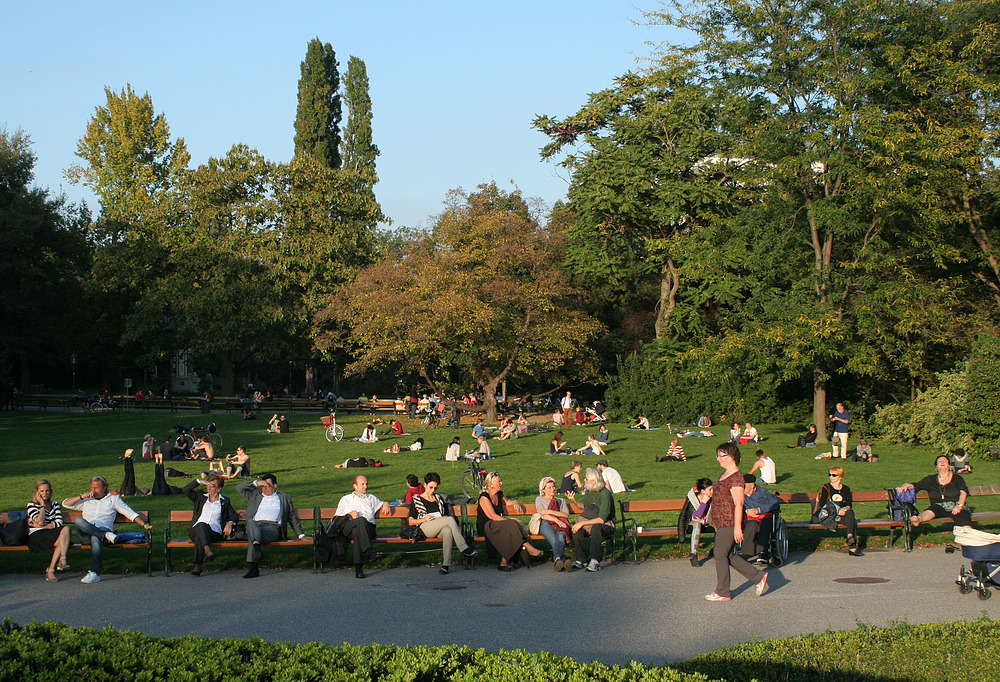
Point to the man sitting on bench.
(761, 506)
(268, 515)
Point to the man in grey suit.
(268, 514)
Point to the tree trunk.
(819, 405)
(490, 399)
(310, 378)
(669, 283)
(228, 380)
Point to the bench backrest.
(187, 515)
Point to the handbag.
(14, 532)
(535, 524)
(408, 532)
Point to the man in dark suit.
(268, 515)
(213, 518)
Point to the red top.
(723, 506)
(413, 492)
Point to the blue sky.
(454, 85)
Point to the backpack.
(902, 505)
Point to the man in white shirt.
(96, 526)
(355, 520)
(611, 477)
(268, 515)
(567, 409)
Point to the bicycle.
(334, 431)
(209, 433)
(474, 480)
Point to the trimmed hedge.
(54, 651)
(955, 651)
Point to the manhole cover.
(450, 587)
(496, 605)
(860, 580)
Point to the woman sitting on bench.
(429, 517)
(46, 530)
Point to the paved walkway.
(652, 612)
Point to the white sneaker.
(594, 565)
(110, 537)
(91, 577)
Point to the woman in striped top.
(46, 529)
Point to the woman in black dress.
(506, 536)
(947, 492)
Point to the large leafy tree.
(317, 119)
(44, 256)
(479, 300)
(130, 159)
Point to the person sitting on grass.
(768, 471)
(508, 429)
(368, 435)
(734, 432)
(640, 422)
(749, 435)
(592, 447)
(959, 460)
(481, 452)
(413, 487)
(807, 439)
(557, 446)
(603, 435)
(571, 483)
(863, 453)
(675, 453)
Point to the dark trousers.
(93, 536)
(360, 533)
(202, 534)
(260, 533)
(757, 537)
(588, 540)
(724, 558)
(128, 484)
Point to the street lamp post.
(72, 359)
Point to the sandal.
(50, 576)
(63, 565)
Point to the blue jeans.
(557, 539)
(89, 533)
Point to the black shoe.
(252, 573)
(196, 570)
(470, 553)
(208, 557)
(372, 555)
(359, 572)
(443, 570)
(505, 569)
(694, 560)
(258, 554)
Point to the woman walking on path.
(727, 518)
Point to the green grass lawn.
(68, 448)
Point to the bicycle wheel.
(338, 432)
(470, 485)
(216, 440)
(189, 438)
(331, 433)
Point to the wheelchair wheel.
(985, 592)
(964, 587)
(780, 540)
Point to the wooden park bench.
(70, 516)
(179, 522)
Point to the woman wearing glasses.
(833, 508)
(504, 535)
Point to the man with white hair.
(596, 522)
(96, 525)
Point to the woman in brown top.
(727, 517)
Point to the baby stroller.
(983, 550)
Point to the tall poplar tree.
(317, 119)
(359, 152)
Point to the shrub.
(959, 412)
